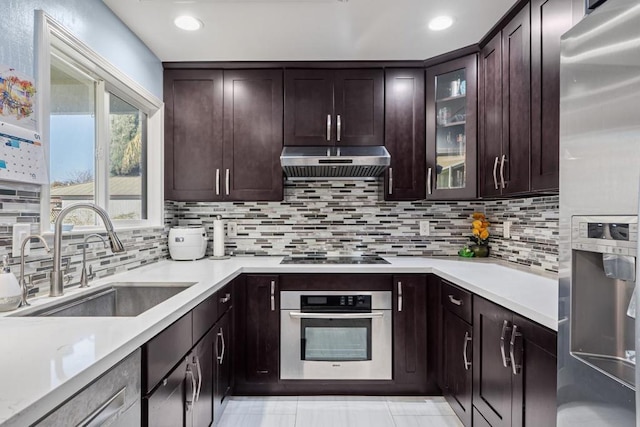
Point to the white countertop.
(46, 360)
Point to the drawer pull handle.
(505, 359)
(467, 339)
(455, 301)
(105, 411)
(226, 298)
(399, 296)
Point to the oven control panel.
(335, 303)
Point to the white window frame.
(50, 34)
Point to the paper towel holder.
(218, 218)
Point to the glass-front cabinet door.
(451, 129)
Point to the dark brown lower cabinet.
(203, 359)
(456, 351)
(187, 367)
(222, 383)
(410, 332)
(478, 419)
(258, 332)
(514, 368)
(534, 397)
(457, 336)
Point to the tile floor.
(338, 411)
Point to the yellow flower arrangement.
(479, 229)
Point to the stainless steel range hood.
(334, 162)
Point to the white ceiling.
(287, 30)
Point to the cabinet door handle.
(505, 359)
(503, 160)
(390, 180)
(226, 179)
(328, 127)
(189, 403)
(399, 296)
(429, 187)
(273, 295)
(224, 347)
(455, 301)
(495, 173)
(226, 298)
(218, 351)
(515, 367)
(467, 339)
(196, 361)
(217, 182)
(338, 126)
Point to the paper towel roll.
(218, 237)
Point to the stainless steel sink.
(119, 299)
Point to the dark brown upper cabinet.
(505, 108)
(549, 20)
(334, 107)
(253, 135)
(405, 134)
(451, 130)
(193, 134)
(223, 135)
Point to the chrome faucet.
(57, 287)
(84, 277)
(23, 282)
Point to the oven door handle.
(301, 315)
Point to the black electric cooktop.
(335, 260)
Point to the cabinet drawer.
(204, 316)
(165, 350)
(103, 401)
(457, 300)
(224, 299)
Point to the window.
(104, 133)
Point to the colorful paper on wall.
(17, 98)
(21, 155)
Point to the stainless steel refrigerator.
(599, 186)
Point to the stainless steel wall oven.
(335, 335)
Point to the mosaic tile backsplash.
(317, 217)
(347, 217)
(21, 204)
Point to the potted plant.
(479, 235)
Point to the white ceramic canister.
(10, 291)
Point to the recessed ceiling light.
(189, 23)
(440, 23)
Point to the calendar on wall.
(21, 155)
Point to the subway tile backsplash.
(316, 217)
